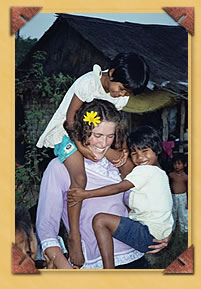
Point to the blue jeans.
(134, 234)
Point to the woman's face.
(102, 138)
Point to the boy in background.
(179, 187)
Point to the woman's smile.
(102, 138)
(99, 149)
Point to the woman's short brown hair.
(81, 130)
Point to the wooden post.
(182, 126)
(164, 117)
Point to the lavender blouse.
(53, 206)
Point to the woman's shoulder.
(55, 167)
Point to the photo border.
(90, 278)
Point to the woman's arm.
(54, 182)
(60, 261)
(76, 195)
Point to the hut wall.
(155, 119)
(69, 52)
(150, 118)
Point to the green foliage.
(22, 47)
(40, 95)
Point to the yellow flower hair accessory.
(91, 117)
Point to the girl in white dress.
(128, 73)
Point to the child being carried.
(150, 200)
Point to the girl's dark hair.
(23, 221)
(145, 137)
(131, 70)
(81, 130)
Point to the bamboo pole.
(164, 117)
(182, 126)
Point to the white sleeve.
(85, 87)
(139, 176)
(120, 102)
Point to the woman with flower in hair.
(128, 73)
(99, 126)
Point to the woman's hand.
(56, 258)
(50, 262)
(122, 159)
(75, 196)
(161, 245)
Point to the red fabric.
(168, 146)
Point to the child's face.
(117, 89)
(145, 156)
(27, 247)
(179, 166)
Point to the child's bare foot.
(75, 251)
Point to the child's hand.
(87, 153)
(90, 155)
(75, 196)
(122, 159)
(161, 245)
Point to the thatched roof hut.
(75, 43)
